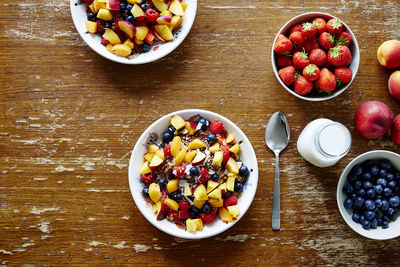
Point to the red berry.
(104, 41)
(311, 72)
(167, 150)
(343, 39)
(287, 75)
(326, 40)
(230, 201)
(216, 127)
(172, 216)
(339, 56)
(192, 124)
(284, 61)
(300, 60)
(184, 214)
(344, 74)
(151, 15)
(207, 217)
(163, 211)
(310, 43)
(282, 44)
(204, 175)
(318, 57)
(295, 28)
(326, 81)
(183, 205)
(115, 26)
(297, 38)
(334, 26)
(179, 171)
(308, 29)
(226, 154)
(302, 86)
(100, 27)
(320, 23)
(147, 178)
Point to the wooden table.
(70, 118)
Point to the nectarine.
(389, 54)
(394, 84)
(396, 130)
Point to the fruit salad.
(314, 56)
(130, 27)
(194, 174)
(373, 193)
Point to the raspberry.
(172, 216)
(204, 175)
(104, 41)
(207, 217)
(179, 171)
(183, 205)
(184, 214)
(216, 127)
(167, 150)
(227, 153)
(147, 178)
(230, 201)
(164, 196)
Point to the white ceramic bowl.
(247, 156)
(355, 54)
(378, 233)
(93, 40)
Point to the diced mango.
(145, 169)
(189, 156)
(139, 42)
(171, 204)
(199, 223)
(112, 37)
(176, 120)
(230, 184)
(184, 6)
(176, 146)
(109, 48)
(154, 192)
(104, 14)
(91, 26)
(92, 8)
(129, 43)
(216, 194)
(172, 185)
(217, 160)
(196, 143)
(211, 185)
(191, 225)
(176, 8)
(152, 148)
(200, 193)
(189, 128)
(165, 33)
(214, 148)
(156, 207)
(180, 157)
(199, 203)
(98, 4)
(234, 211)
(141, 32)
(187, 190)
(216, 203)
(149, 156)
(222, 187)
(225, 215)
(232, 166)
(235, 148)
(137, 11)
(230, 139)
(160, 5)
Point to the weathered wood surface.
(69, 119)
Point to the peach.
(394, 84)
(396, 130)
(389, 54)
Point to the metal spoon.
(277, 135)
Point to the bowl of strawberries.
(315, 56)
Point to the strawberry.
(179, 171)
(192, 125)
(104, 41)
(207, 217)
(326, 40)
(226, 154)
(100, 27)
(344, 74)
(164, 196)
(183, 205)
(326, 81)
(204, 175)
(230, 201)
(172, 216)
(163, 211)
(339, 56)
(167, 150)
(115, 26)
(284, 61)
(334, 26)
(343, 39)
(216, 127)
(282, 44)
(295, 28)
(287, 75)
(310, 43)
(300, 60)
(221, 140)
(311, 72)
(318, 57)
(147, 178)
(302, 86)
(297, 39)
(184, 214)
(308, 29)
(320, 23)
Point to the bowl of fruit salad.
(133, 31)
(315, 56)
(193, 174)
(368, 194)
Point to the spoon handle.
(276, 202)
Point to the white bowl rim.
(314, 99)
(140, 59)
(342, 209)
(249, 195)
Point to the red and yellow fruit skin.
(396, 130)
(389, 54)
(394, 84)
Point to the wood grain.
(69, 119)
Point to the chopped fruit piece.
(226, 154)
(164, 32)
(91, 26)
(172, 185)
(150, 37)
(171, 204)
(223, 188)
(216, 194)
(232, 166)
(177, 121)
(214, 148)
(154, 192)
(217, 160)
(199, 203)
(176, 22)
(176, 8)
(149, 156)
(230, 201)
(166, 13)
(176, 146)
(184, 214)
(104, 14)
(184, 6)
(163, 211)
(230, 184)
(167, 150)
(204, 175)
(190, 127)
(199, 224)
(230, 139)
(160, 153)
(191, 225)
(156, 162)
(141, 32)
(196, 143)
(225, 215)
(200, 193)
(211, 185)
(189, 156)
(164, 20)
(127, 28)
(207, 217)
(137, 12)
(113, 4)
(121, 50)
(156, 208)
(145, 169)
(152, 148)
(216, 203)
(147, 178)
(180, 156)
(179, 171)
(160, 5)
(187, 190)
(199, 158)
(235, 148)
(111, 36)
(129, 43)
(234, 211)
(151, 15)
(183, 205)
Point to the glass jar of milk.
(324, 142)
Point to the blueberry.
(378, 189)
(369, 215)
(374, 223)
(366, 225)
(385, 218)
(352, 178)
(393, 217)
(380, 221)
(367, 185)
(206, 208)
(171, 129)
(385, 164)
(387, 191)
(167, 137)
(204, 124)
(390, 211)
(143, 7)
(91, 16)
(357, 170)
(385, 224)
(390, 176)
(371, 193)
(161, 182)
(382, 172)
(378, 203)
(353, 197)
(348, 189)
(172, 195)
(385, 205)
(192, 215)
(397, 175)
(359, 202)
(194, 209)
(145, 192)
(214, 177)
(348, 203)
(362, 219)
(244, 171)
(194, 171)
(382, 182)
(369, 204)
(394, 201)
(361, 192)
(178, 196)
(367, 163)
(122, 6)
(374, 170)
(367, 176)
(128, 7)
(355, 217)
(211, 137)
(239, 187)
(130, 18)
(146, 48)
(357, 184)
(392, 184)
(227, 194)
(397, 189)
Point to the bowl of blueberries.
(368, 194)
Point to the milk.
(324, 142)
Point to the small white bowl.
(247, 156)
(379, 233)
(355, 54)
(78, 12)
